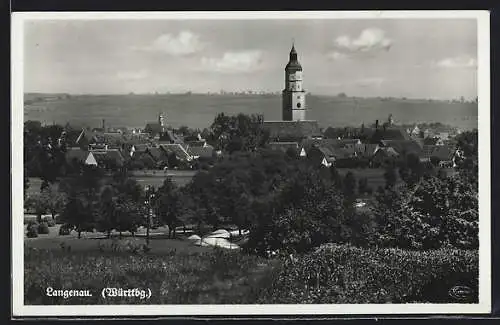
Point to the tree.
(363, 185)
(38, 204)
(349, 185)
(390, 177)
(168, 205)
(239, 133)
(79, 214)
(26, 184)
(107, 219)
(55, 199)
(172, 160)
(128, 216)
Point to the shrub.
(43, 228)
(31, 223)
(345, 274)
(65, 229)
(32, 231)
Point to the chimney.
(376, 124)
(103, 124)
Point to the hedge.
(346, 274)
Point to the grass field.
(181, 178)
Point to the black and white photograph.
(239, 163)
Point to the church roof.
(293, 63)
(280, 131)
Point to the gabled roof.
(85, 136)
(195, 143)
(113, 154)
(202, 152)
(178, 150)
(283, 146)
(386, 152)
(366, 149)
(441, 152)
(403, 146)
(390, 133)
(431, 141)
(156, 153)
(291, 130)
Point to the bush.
(32, 231)
(31, 223)
(65, 229)
(345, 274)
(43, 228)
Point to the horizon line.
(256, 93)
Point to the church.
(294, 126)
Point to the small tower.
(161, 121)
(293, 96)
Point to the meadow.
(199, 110)
(331, 274)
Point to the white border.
(17, 43)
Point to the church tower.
(293, 96)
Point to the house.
(292, 131)
(446, 155)
(111, 158)
(322, 155)
(196, 143)
(402, 147)
(433, 141)
(283, 146)
(168, 136)
(136, 149)
(178, 150)
(384, 155)
(203, 152)
(389, 133)
(85, 138)
(415, 132)
(156, 153)
(366, 149)
(78, 155)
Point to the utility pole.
(150, 194)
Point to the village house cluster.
(159, 146)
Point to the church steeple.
(293, 62)
(293, 96)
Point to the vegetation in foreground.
(331, 274)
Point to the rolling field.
(198, 111)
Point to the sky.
(414, 58)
